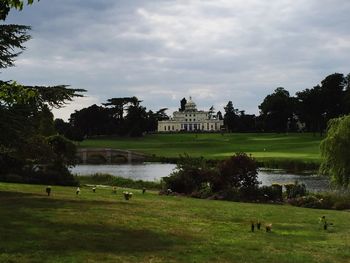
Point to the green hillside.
(102, 227)
(301, 147)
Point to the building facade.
(191, 119)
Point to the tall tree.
(333, 92)
(230, 117)
(93, 120)
(335, 151)
(277, 109)
(136, 120)
(182, 104)
(120, 105)
(311, 109)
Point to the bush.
(189, 176)
(323, 201)
(295, 190)
(47, 175)
(270, 193)
(239, 171)
(204, 192)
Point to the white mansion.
(191, 119)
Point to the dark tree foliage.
(240, 171)
(219, 115)
(136, 120)
(119, 116)
(230, 117)
(94, 120)
(311, 109)
(68, 131)
(346, 98)
(6, 5)
(333, 92)
(277, 110)
(182, 104)
(12, 38)
(335, 151)
(46, 122)
(153, 118)
(331, 99)
(120, 105)
(190, 175)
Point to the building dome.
(190, 105)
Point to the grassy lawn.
(102, 227)
(301, 147)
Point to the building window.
(212, 126)
(172, 127)
(186, 120)
(194, 119)
(190, 119)
(164, 128)
(190, 115)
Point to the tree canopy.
(335, 151)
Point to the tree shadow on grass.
(23, 231)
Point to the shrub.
(295, 190)
(238, 171)
(189, 176)
(332, 200)
(270, 193)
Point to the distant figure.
(114, 190)
(78, 191)
(144, 190)
(268, 227)
(258, 225)
(323, 222)
(48, 190)
(169, 191)
(252, 227)
(94, 189)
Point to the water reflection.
(155, 171)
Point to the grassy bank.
(102, 227)
(107, 179)
(271, 150)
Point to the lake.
(155, 171)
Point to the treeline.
(309, 110)
(118, 116)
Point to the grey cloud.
(162, 50)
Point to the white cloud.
(77, 104)
(162, 51)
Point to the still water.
(155, 171)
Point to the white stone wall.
(176, 126)
(190, 120)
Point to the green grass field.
(299, 147)
(102, 227)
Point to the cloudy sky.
(164, 50)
